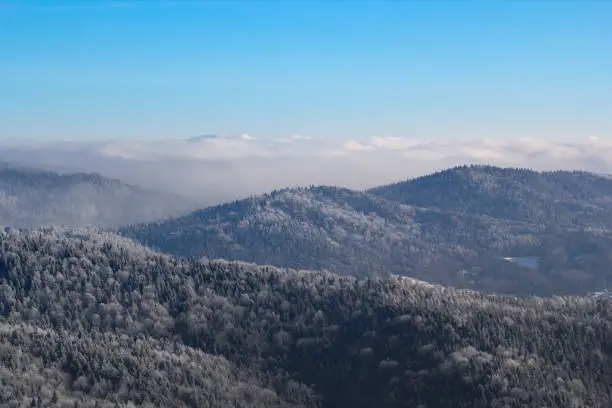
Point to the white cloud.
(395, 143)
(218, 168)
(353, 146)
(292, 138)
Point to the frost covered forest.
(305, 204)
(371, 298)
(456, 227)
(92, 319)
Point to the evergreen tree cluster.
(91, 319)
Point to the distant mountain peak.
(202, 137)
(35, 197)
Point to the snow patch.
(604, 294)
(530, 262)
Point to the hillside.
(345, 231)
(568, 214)
(33, 198)
(89, 318)
(560, 200)
(361, 234)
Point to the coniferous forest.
(305, 204)
(473, 287)
(92, 319)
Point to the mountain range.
(33, 198)
(574, 200)
(151, 317)
(499, 230)
(471, 227)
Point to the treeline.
(90, 318)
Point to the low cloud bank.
(219, 168)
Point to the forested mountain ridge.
(558, 199)
(362, 234)
(89, 318)
(345, 231)
(567, 213)
(33, 198)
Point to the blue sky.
(149, 70)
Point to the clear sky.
(461, 69)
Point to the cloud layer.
(218, 168)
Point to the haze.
(352, 94)
(215, 169)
